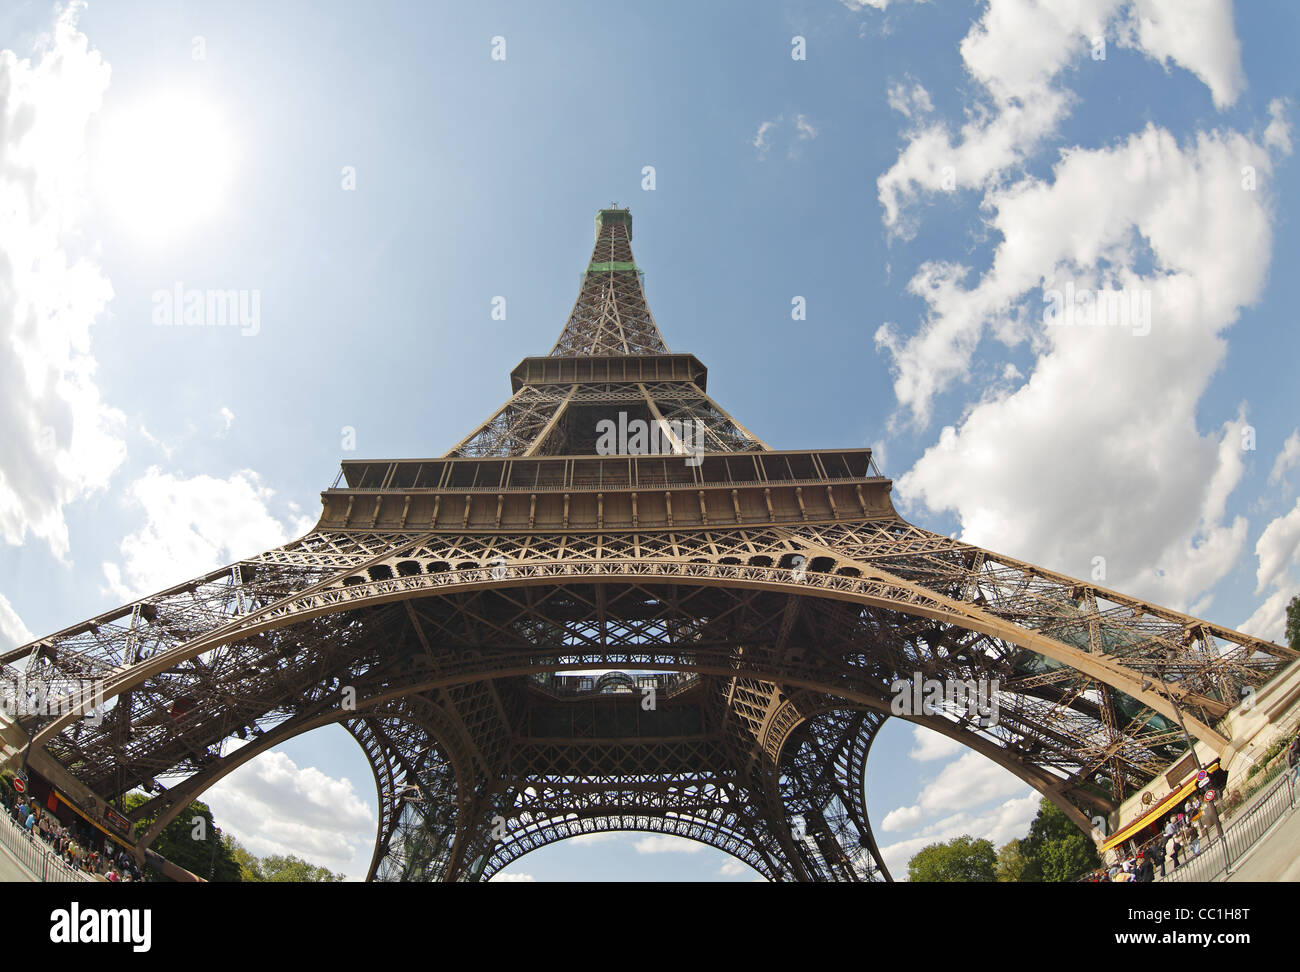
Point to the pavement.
(10, 869)
(1277, 856)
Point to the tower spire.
(611, 316)
(610, 365)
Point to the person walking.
(1172, 848)
(1293, 761)
(1210, 820)
(1157, 855)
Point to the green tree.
(1011, 862)
(960, 859)
(199, 848)
(1068, 859)
(1293, 623)
(250, 868)
(277, 868)
(1055, 849)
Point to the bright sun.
(165, 165)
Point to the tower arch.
(451, 600)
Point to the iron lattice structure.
(444, 611)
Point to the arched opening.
(312, 796)
(627, 855)
(648, 642)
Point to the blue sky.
(922, 178)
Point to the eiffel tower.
(612, 607)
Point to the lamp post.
(216, 842)
(1191, 744)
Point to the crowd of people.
(65, 844)
(1186, 834)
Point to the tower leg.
(820, 792)
(418, 807)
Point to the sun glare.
(165, 165)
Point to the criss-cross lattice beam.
(445, 599)
(611, 315)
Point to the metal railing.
(665, 684)
(1243, 833)
(33, 853)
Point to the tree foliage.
(281, 869)
(1055, 849)
(1011, 862)
(1293, 623)
(960, 859)
(197, 847)
(249, 865)
(207, 853)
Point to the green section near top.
(614, 216)
(612, 265)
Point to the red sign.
(19, 785)
(117, 821)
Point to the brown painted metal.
(769, 598)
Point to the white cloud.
(933, 745)
(880, 454)
(857, 5)
(512, 878)
(1197, 34)
(902, 818)
(273, 806)
(967, 781)
(731, 867)
(1278, 550)
(1098, 453)
(227, 418)
(12, 630)
(1017, 50)
(665, 844)
(1269, 620)
(1007, 821)
(762, 138)
(1277, 135)
(1287, 459)
(1022, 105)
(61, 441)
(194, 525)
(910, 102)
(157, 443)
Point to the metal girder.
(433, 604)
